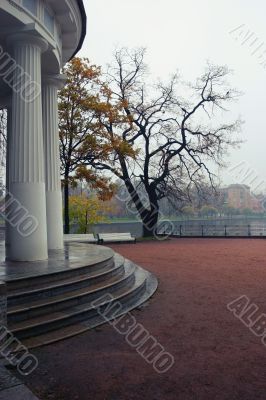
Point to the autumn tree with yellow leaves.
(81, 142)
(86, 211)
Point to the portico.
(37, 37)
(47, 299)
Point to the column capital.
(27, 39)
(56, 80)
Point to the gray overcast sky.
(183, 35)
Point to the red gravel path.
(216, 357)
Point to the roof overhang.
(84, 26)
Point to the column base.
(54, 220)
(27, 234)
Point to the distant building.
(240, 197)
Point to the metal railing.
(183, 230)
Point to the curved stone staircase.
(50, 302)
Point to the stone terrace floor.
(216, 356)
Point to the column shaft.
(52, 165)
(28, 233)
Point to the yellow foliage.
(86, 211)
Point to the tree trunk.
(150, 216)
(149, 223)
(66, 206)
(86, 222)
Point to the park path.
(216, 356)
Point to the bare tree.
(160, 140)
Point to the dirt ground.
(216, 356)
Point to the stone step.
(80, 327)
(86, 278)
(29, 310)
(127, 294)
(52, 300)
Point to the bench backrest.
(114, 235)
(86, 236)
(89, 236)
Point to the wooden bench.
(81, 238)
(115, 237)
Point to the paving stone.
(7, 380)
(20, 392)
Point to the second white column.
(50, 86)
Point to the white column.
(54, 210)
(3, 304)
(28, 235)
(8, 148)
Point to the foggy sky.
(183, 35)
